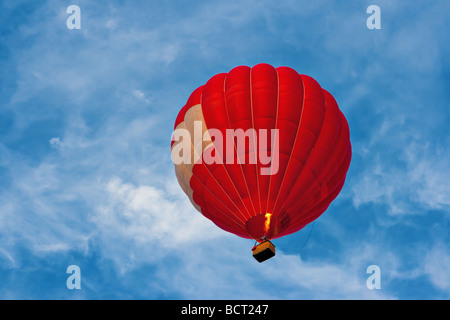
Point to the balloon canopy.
(261, 151)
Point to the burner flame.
(268, 217)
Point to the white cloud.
(430, 172)
(422, 181)
(436, 266)
(55, 143)
(224, 269)
(150, 218)
(6, 260)
(141, 96)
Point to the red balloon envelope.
(261, 151)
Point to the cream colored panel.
(199, 140)
(195, 124)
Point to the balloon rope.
(307, 239)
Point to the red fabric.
(314, 151)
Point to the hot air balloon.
(261, 152)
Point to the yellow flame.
(268, 216)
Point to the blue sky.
(86, 178)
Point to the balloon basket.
(263, 251)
